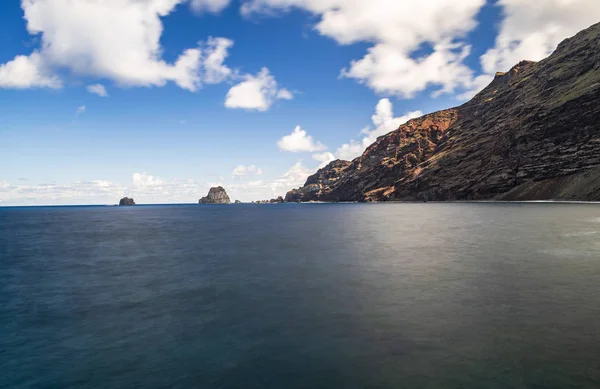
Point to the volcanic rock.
(216, 195)
(126, 201)
(532, 134)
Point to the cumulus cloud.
(387, 70)
(216, 51)
(116, 40)
(265, 189)
(395, 34)
(324, 158)
(299, 141)
(144, 180)
(211, 6)
(294, 177)
(383, 122)
(257, 92)
(27, 72)
(284, 94)
(97, 89)
(242, 170)
(532, 31)
(412, 53)
(80, 110)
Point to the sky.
(161, 99)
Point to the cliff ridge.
(537, 123)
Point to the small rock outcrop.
(216, 195)
(126, 201)
(278, 200)
(238, 202)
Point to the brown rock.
(537, 123)
(216, 195)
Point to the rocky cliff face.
(126, 201)
(520, 138)
(216, 195)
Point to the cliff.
(532, 134)
(216, 195)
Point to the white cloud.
(216, 51)
(5, 185)
(103, 183)
(299, 141)
(97, 89)
(242, 170)
(383, 122)
(144, 180)
(82, 192)
(385, 69)
(294, 177)
(212, 6)
(324, 158)
(397, 29)
(266, 189)
(285, 94)
(145, 188)
(117, 40)
(418, 45)
(80, 110)
(531, 30)
(27, 72)
(256, 92)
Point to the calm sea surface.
(301, 296)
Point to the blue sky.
(160, 99)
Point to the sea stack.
(126, 201)
(216, 195)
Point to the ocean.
(464, 295)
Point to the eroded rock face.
(126, 201)
(319, 185)
(537, 122)
(216, 195)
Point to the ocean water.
(301, 296)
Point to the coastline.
(311, 203)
